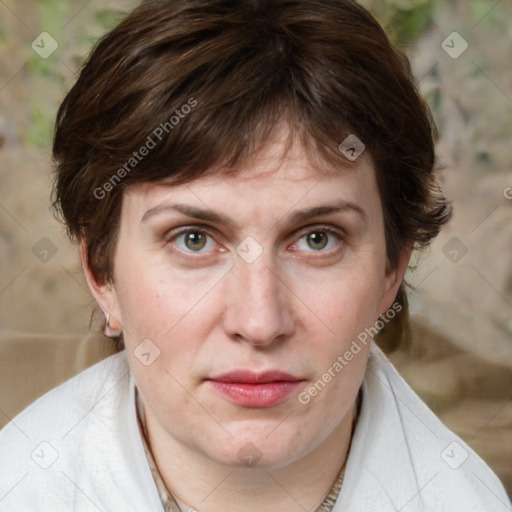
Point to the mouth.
(255, 390)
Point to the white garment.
(85, 434)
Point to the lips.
(249, 377)
(255, 390)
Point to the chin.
(258, 450)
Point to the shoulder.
(71, 400)
(403, 457)
(63, 451)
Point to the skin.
(296, 308)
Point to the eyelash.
(172, 236)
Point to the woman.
(246, 182)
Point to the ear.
(393, 280)
(103, 292)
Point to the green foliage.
(406, 27)
(52, 14)
(41, 128)
(108, 18)
(483, 9)
(405, 21)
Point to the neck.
(208, 486)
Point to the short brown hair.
(241, 67)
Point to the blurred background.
(460, 361)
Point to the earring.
(109, 331)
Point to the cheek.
(345, 305)
(342, 302)
(176, 316)
(177, 312)
(156, 300)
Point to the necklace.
(169, 502)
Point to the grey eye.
(195, 241)
(317, 240)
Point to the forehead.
(282, 165)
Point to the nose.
(259, 307)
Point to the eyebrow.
(192, 212)
(328, 209)
(217, 218)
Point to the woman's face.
(236, 294)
